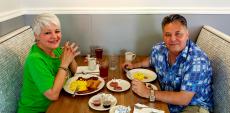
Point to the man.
(183, 70)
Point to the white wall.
(9, 9)
(13, 8)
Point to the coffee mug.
(92, 64)
(129, 56)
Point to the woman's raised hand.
(70, 51)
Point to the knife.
(86, 72)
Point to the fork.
(75, 92)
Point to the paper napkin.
(145, 109)
(85, 69)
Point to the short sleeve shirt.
(40, 70)
(191, 72)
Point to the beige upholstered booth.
(13, 49)
(217, 46)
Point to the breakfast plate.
(86, 82)
(118, 85)
(143, 75)
(101, 100)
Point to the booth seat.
(217, 46)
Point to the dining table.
(79, 103)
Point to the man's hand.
(127, 65)
(140, 89)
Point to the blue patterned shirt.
(191, 72)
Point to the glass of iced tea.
(104, 65)
(99, 53)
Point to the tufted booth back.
(13, 51)
(217, 46)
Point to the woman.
(47, 65)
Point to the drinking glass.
(103, 67)
(99, 53)
(92, 50)
(92, 64)
(113, 62)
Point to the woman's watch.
(152, 97)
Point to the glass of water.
(113, 62)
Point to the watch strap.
(152, 96)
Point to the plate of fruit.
(118, 85)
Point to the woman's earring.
(36, 40)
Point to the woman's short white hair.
(44, 20)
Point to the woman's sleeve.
(41, 74)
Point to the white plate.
(125, 85)
(151, 76)
(101, 108)
(67, 84)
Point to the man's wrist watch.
(152, 97)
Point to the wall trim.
(10, 14)
(131, 10)
(116, 10)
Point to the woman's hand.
(69, 53)
(140, 89)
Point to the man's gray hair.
(44, 20)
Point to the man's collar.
(185, 51)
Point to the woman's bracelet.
(66, 69)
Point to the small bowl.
(96, 102)
(107, 104)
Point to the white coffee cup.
(92, 64)
(129, 56)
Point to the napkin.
(85, 69)
(146, 109)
